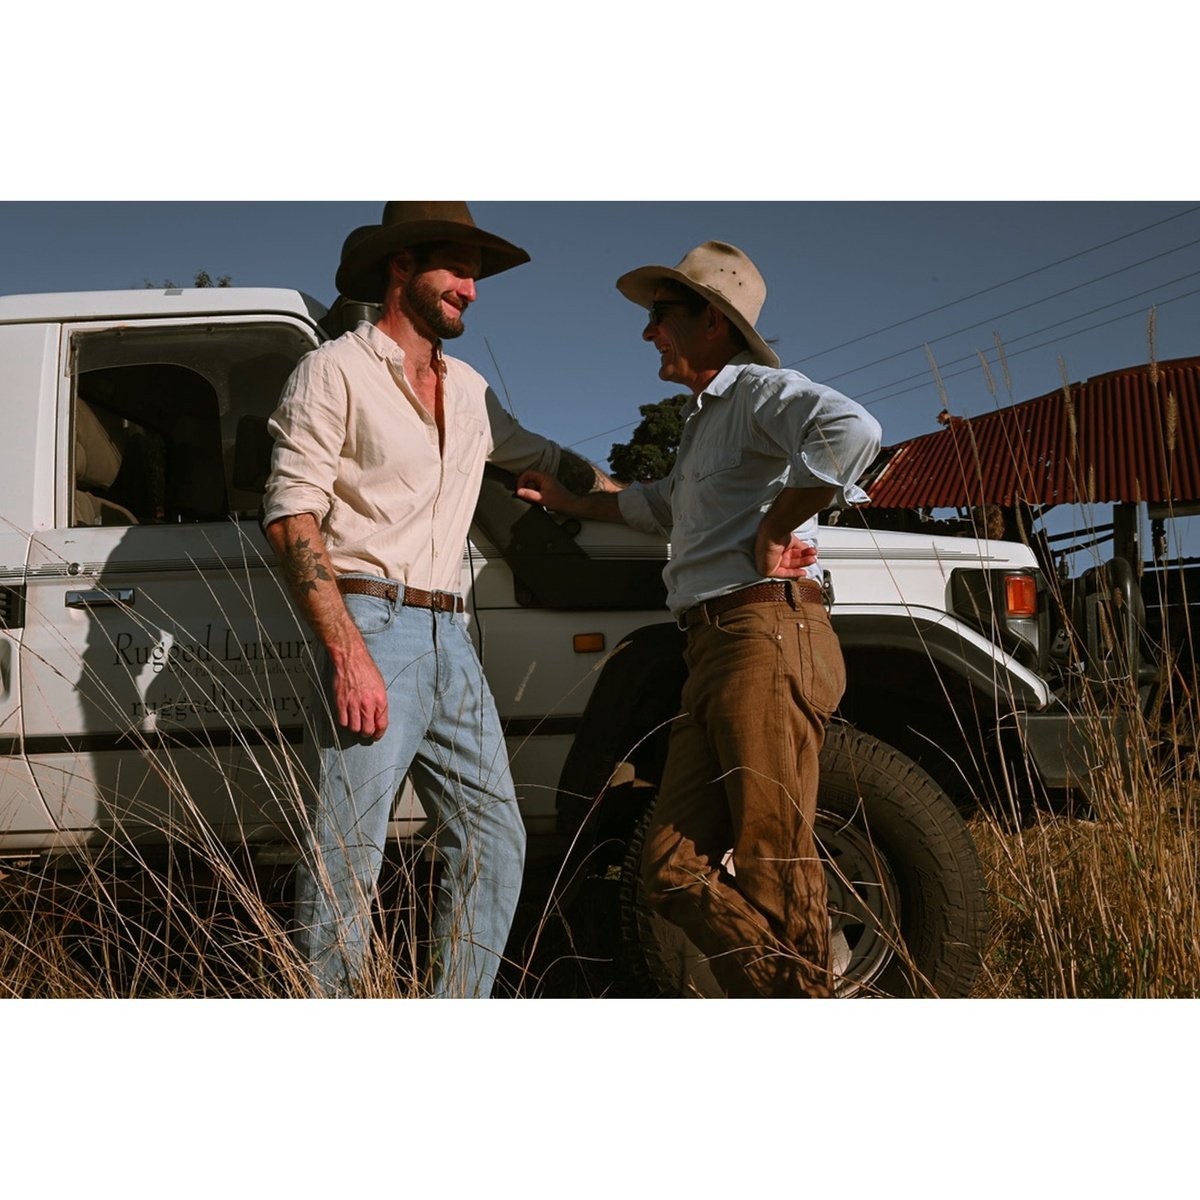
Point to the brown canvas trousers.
(742, 772)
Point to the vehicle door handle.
(100, 598)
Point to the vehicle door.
(164, 674)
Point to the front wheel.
(906, 892)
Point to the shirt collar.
(727, 376)
(384, 346)
(387, 348)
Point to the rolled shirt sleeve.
(309, 428)
(828, 439)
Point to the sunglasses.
(659, 308)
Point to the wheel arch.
(937, 697)
(954, 649)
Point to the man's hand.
(778, 552)
(786, 558)
(359, 694)
(539, 488)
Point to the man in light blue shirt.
(763, 451)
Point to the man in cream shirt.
(380, 443)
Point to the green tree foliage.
(200, 279)
(650, 452)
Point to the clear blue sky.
(558, 338)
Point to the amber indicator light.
(589, 643)
(1020, 595)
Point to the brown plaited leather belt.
(413, 597)
(805, 591)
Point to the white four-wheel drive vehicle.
(154, 679)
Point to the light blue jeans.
(443, 731)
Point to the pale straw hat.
(723, 276)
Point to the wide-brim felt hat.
(724, 276)
(362, 273)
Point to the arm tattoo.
(576, 474)
(304, 567)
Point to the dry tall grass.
(1104, 901)
(188, 925)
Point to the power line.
(994, 287)
(1091, 312)
(1012, 311)
(923, 375)
(966, 329)
(1039, 346)
(604, 433)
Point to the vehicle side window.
(169, 424)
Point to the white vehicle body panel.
(150, 303)
(160, 680)
(906, 569)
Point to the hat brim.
(638, 285)
(361, 276)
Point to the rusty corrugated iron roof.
(1130, 435)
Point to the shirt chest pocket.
(470, 445)
(713, 461)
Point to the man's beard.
(426, 302)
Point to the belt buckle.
(443, 601)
